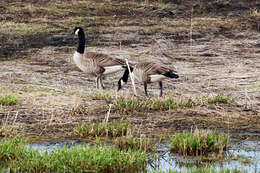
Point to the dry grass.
(25, 28)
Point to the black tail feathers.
(171, 75)
(126, 73)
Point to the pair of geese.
(100, 65)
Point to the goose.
(96, 64)
(148, 72)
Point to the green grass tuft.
(16, 157)
(206, 169)
(8, 100)
(111, 129)
(125, 105)
(218, 99)
(199, 142)
(101, 96)
(143, 144)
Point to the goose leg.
(145, 88)
(101, 82)
(97, 82)
(161, 88)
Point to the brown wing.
(151, 68)
(104, 60)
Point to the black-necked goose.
(148, 72)
(96, 64)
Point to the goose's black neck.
(81, 46)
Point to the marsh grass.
(125, 105)
(218, 99)
(255, 12)
(79, 110)
(101, 96)
(25, 28)
(133, 143)
(11, 130)
(8, 100)
(101, 129)
(17, 157)
(199, 143)
(207, 169)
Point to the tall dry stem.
(191, 29)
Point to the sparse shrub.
(218, 99)
(199, 142)
(111, 129)
(8, 100)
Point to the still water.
(242, 156)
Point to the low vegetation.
(199, 143)
(128, 105)
(205, 170)
(100, 129)
(132, 105)
(218, 99)
(101, 96)
(8, 100)
(11, 130)
(79, 110)
(255, 12)
(16, 156)
(130, 142)
(122, 133)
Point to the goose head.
(78, 30)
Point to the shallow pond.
(243, 156)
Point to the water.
(246, 155)
(50, 146)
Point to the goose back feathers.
(152, 72)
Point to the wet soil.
(222, 58)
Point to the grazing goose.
(96, 64)
(148, 72)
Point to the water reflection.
(243, 156)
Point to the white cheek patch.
(77, 32)
(122, 82)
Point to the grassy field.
(213, 45)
